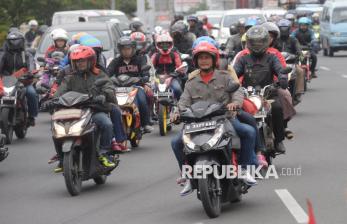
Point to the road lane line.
(292, 205)
(324, 68)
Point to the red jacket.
(166, 63)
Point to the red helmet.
(206, 47)
(83, 52)
(164, 43)
(140, 40)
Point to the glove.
(99, 99)
(283, 83)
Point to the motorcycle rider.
(167, 60)
(306, 37)
(131, 64)
(182, 38)
(40, 32)
(136, 26)
(82, 79)
(16, 60)
(291, 18)
(291, 45)
(233, 45)
(207, 25)
(211, 85)
(32, 33)
(60, 39)
(316, 24)
(258, 66)
(196, 26)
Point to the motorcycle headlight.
(59, 130)
(8, 90)
(77, 128)
(188, 142)
(162, 87)
(122, 98)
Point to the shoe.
(54, 159)
(106, 162)
(247, 178)
(280, 148)
(59, 168)
(289, 134)
(119, 147)
(31, 122)
(148, 129)
(187, 189)
(262, 160)
(313, 75)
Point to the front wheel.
(73, 179)
(7, 128)
(162, 117)
(210, 195)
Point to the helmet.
(179, 27)
(33, 22)
(76, 38)
(90, 41)
(158, 30)
(15, 40)
(284, 26)
(257, 39)
(193, 18)
(290, 16)
(59, 34)
(140, 40)
(43, 29)
(251, 22)
(126, 41)
(135, 26)
(83, 52)
(205, 39)
(178, 17)
(164, 43)
(241, 23)
(315, 15)
(233, 29)
(205, 47)
(73, 47)
(304, 21)
(272, 28)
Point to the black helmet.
(15, 40)
(179, 27)
(178, 17)
(284, 25)
(272, 28)
(126, 41)
(193, 18)
(233, 29)
(135, 26)
(257, 39)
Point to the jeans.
(32, 101)
(246, 133)
(106, 127)
(247, 118)
(141, 102)
(176, 88)
(116, 118)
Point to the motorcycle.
(3, 150)
(13, 107)
(291, 62)
(210, 140)
(77, 136)
(126, 92)
(305, 64)
(165, 102)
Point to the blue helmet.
(284, 23)
(90, 41)
(205, 39)
(304, 20)
(251, 22)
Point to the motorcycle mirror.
(232, 86)
(40, 59)
(100, 82)
(185, 56)
(286, 70)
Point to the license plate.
(164, 94)
(123, 89)
(201, 126)
(8, 98)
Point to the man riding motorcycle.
(131, 64)
(82, 79)
(233, 44)
(306, 38)
(16, 60)
(196, 26)
(211, 85)
(167, 60)
(182, 38)
(32, 33)
(60, 39)
(291, 45)
(258, 66)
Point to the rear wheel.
(210, 195)
(73, 179)
(162, 117)
(7, 128)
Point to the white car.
(232, 16)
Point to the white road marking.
(344, 76)
(292, 205)
(324, 68)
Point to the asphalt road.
(143, 189)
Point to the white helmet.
(59, 34)
(33, 22)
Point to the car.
(107, 32)
(232, 16)
(63, 17)
(333, 27)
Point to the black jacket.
(12, 61)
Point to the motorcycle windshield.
(9, 81)
(72, 98)
(204, 109)
(126, 80)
